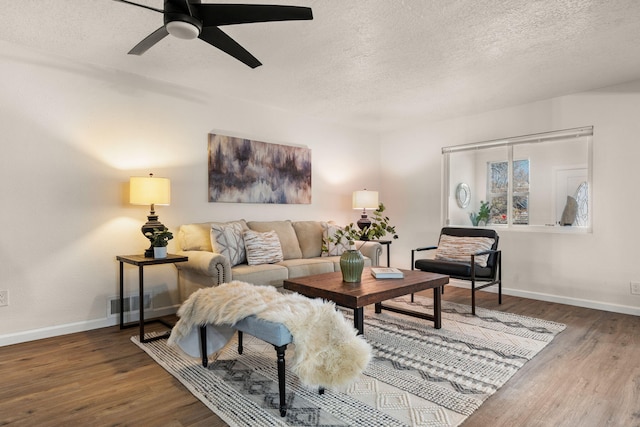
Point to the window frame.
(509, 144)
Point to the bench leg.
(281, 379)
(203, 345)
(240, 342)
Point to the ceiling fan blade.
(140, 5)
(229, 14)
(149, 41)
(217, 38)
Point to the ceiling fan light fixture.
(183, 30)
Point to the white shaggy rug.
(419, 376)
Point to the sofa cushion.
(309, 235)
(286, 234)
(333, 248)
(264, 274)
(308, 266)
(262, 248)
(227, 239)
(459, 249)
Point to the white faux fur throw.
(328, 351)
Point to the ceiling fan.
(188, 19)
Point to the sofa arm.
(208, 264)
(371, 250)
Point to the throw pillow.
(262, 248)
(227, 239)
(333, 248)
(286, 234)
(454, 248)
(195, 237)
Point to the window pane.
(499, 177)
(498, 210)
(521, 209)
(520, 175)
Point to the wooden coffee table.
(372, 291)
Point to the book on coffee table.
(386, 273)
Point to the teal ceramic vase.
(351, 265)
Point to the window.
(498, 192)
(539, 181)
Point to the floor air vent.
(131, 304)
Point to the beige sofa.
(300, 241)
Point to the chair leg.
(499, 278)
(473, 297)
(240, 342)
(281, 379)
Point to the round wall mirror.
(463, 195)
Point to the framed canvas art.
(246, 171)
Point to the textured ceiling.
(376, 64)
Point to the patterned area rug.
(419, 376)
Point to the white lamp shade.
(144, 190)
(365, 199)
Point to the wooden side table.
(141, 261)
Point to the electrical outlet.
(4, 298)
(635, 288)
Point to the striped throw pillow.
(262, 248)
(454, 248)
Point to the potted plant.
(352, 261)
(159, 240)
(482, 217)
(379, 226)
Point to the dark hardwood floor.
(588, 376)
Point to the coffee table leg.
(358, 319)
(437, 308)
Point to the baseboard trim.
(578, 302)
(71, 328)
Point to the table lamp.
(150, 191)
(364, 200)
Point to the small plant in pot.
(159, 240)
(482, 217)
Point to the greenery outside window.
(531, 182)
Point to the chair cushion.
(457, 270)
(262, 248)
(458, 248)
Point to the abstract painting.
(246, 171)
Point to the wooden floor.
(588, 376)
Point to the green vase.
(351, 265)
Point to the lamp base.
(364, 223)
(152, 222)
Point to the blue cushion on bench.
(274, 333)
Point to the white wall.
(592, 270)
(72, 134)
